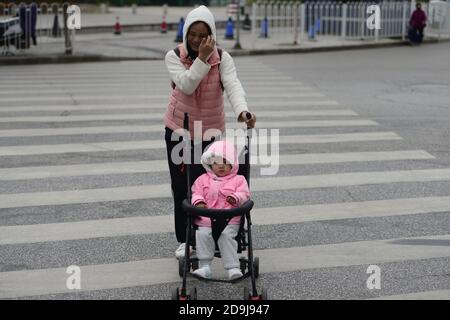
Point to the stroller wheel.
(175, 294)
(256, 266)
(193, 294)
(262, 296)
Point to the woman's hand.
(243, 117)
(206, 48)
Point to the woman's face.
(197, 32)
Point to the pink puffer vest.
(204, 104)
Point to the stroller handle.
(213, 213)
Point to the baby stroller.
(219, 219)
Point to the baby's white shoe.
(204, 272)
(234, 273)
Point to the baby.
(219, 188)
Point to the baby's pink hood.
(221, 149)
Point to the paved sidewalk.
(154, 45)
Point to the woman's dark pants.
(179, 181)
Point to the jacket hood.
(221, 150)
(203, 14)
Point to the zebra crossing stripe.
(250, 90)
(110, 77)
(159, 271)
(147, 97)
(17, 200)
(45, 172)
(133, 80)
(349, 179)
(424, 295)
(153, 116)
(158, 106)
(159, 144)
(107, 90)
(143, 85)
(260, 216)
(160, 128)
(131, 167)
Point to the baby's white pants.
(205, 246)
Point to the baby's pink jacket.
(214, 190)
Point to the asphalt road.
(363, 178)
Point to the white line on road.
(318, 158)
(159, 106)
(260, 216)
(250, 90)
(424, 295)
(147, 97)
(159, 144)
(131, 167)
(46, 172)
(108, 276)
(153, 116)
(144, 85)
(149, 80)
(160, 128)
(17, 200)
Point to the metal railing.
(311, 19)
(349, 20)
(438, 22)
(23, 25)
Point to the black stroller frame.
(219, 220)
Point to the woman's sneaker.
(204, 272)
(179, 253)
(234, 273)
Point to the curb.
(53, 59)
(398, 43)
(171, 26)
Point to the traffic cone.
(179, 37)
(163, 25)
(264, 28)
(229, 32)
(117, 27)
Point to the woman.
(417, 23)
(200, 72)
